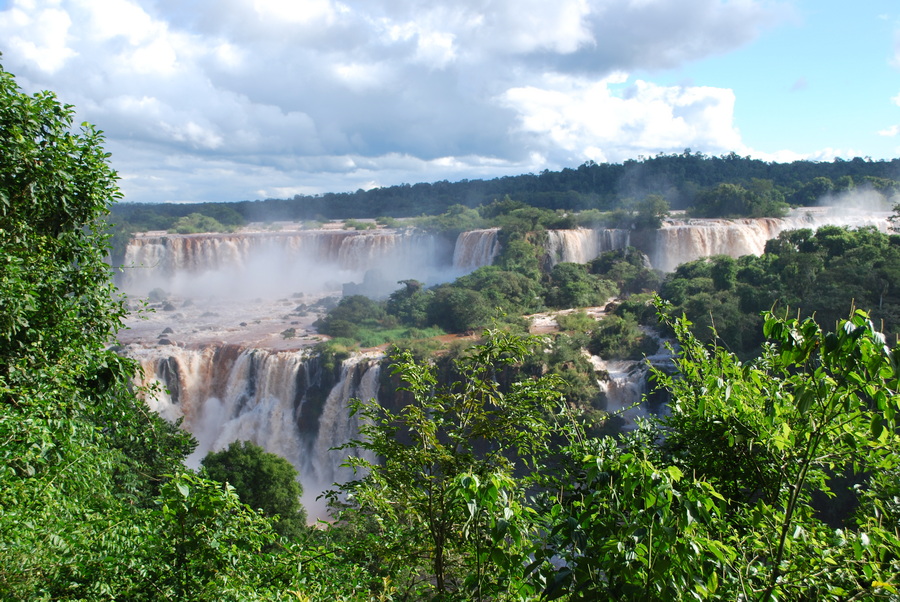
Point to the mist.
(860, 200)
(252, 265)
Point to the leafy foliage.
(818, 273)
(442, 494)
(603, 191)
(721, 507)
(263, 481)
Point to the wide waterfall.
(236, 362)
(680, 241)
(277, 263)
(287, 402)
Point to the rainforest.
(673, 379)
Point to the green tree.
(651, 210)
(722, 506)
(263, 481)
(351, 315)
(94, 501)
(458, 309)
(570, 285)
(80, 455)
(442, 494)
(196, 223)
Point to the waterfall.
(680, 241)
(581, 245)
(475, 249)
(283, 401)
(625, 382)
(277, 263)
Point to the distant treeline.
(685, 181)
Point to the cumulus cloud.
(244, 98)
(571, 118)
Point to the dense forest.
(485, 484)
(683, 180)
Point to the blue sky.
(245, 99)
(823, 79)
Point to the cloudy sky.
(220, 100)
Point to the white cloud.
(202, 100)
(295, 11)
(585, 119)
(39, 36)
(890, 131)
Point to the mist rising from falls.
(286, 402)
(253, 264)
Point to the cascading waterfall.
(286, 401)
(476, 248)
(277, 263)
(680, 241)
(581, 245)
(626, 381)
(282, 401)
(624, 385)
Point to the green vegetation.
(721, 507)
(480, 486)
(606, 193)
(94, 503)
(442, 499)
(355, 224)
(262, 481)
(621, 337)
(816, 273)
(759, 199)
(195, 223)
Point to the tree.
(458, 309)
(80, 454)
(441, 494)
(722, 506)
(650, 211)
(570, 285)
(263, 481)
(94, 502)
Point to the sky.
(227, 100)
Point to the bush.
(576, 321)
(458, 309)
(571, 286)
(197, 223)
(620, 338)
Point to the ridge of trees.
(680, 179)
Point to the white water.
(581, 245)
(227, 394)
(475, 249)
(680, 241)
(253, 264)
(258, 264)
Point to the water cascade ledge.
(277, 263)
(289, 403)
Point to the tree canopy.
(261, 480)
